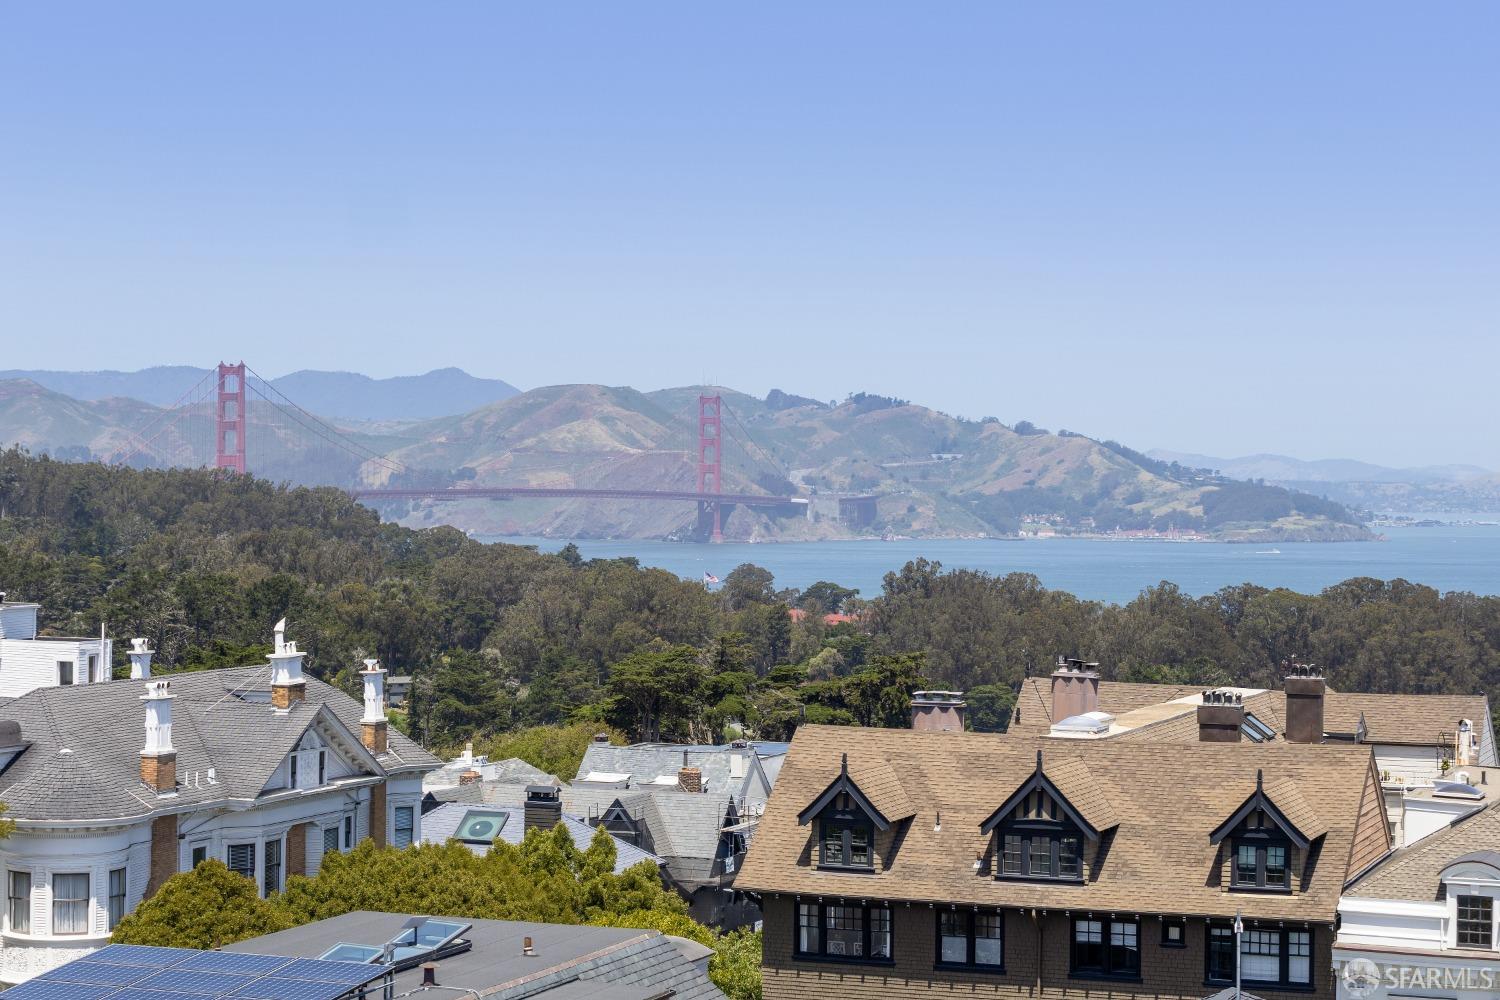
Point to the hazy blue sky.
(1175, 224)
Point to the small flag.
(709, 578)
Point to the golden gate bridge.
(218, 408)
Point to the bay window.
(70, 903)
(19, 889)
(116, 896)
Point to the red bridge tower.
(710, 460)
(229, 418)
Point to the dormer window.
(845, 820)
(1262, 834)
(1038, 833)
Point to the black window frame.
(1475, 905)
(1180, 923)
(242, 846)
(971, 935)
(822, 955)
(274, 854)
(1030, 833)
(1262, 845)
(1107, 967)
(197, 854)
(349, 832)
(846, 828)
(1228, 946)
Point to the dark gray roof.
(84, 759)
(570, 961)
(441, 823)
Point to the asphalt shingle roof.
(1158, 857)
(1413, 871)
(83, 762)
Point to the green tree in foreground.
(545, 878)
(207, 907)
(555, 749)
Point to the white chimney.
(374, 678)
(287, 683)
(140, 659)
(158, 699)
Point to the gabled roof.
(1157, 857)
(873, 785)
(1286, 807)
(439, 825)
(1415, 872)
(1072, 787)
(84, 758)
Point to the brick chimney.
(158, 756)
(287, 683)
(140, 659)
(690, 779)
(1305, 693)
(1220, 717)
(1075, 688)
(937, 711)
(372, 727)
(543, 807)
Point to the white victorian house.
(29, 661)
(1422, 922)
(114, 787)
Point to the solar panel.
(237, 962)
(140, 972)
(38, 989)
(214, 984)
(86, 971)
(353, 973)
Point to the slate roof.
(1397, 719)
(1158, 859)
(571, 961)
(84, 759)
(1412, 872)
(645, 762)
(442, 822)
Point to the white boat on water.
(1268, 552)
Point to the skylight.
(1257, 730)
(481, 826)
(419, 939)
(1456, 790)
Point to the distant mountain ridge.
(1283, 468)
(344, 395)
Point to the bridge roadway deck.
(550, 492)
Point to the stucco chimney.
(1305, 693)
(140, 659)
(1075, 689)
(372, 727)
(938, 711)
(1220, 717)
(158, 756)
(288, 686)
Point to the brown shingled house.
(903, 863)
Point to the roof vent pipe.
(429, 973)
(527, 949)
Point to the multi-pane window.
(1269, 956)
(1040, 855)
(969, 938)
(116, 896)
(1259, 864)
(273, 867)
(330, 840)
(847, 845)
(1109, 948)
(848, 932)
(70, 904)
(405, 826)
(240, 858)
(1476, 922)
(348, 832)
(20, 902)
